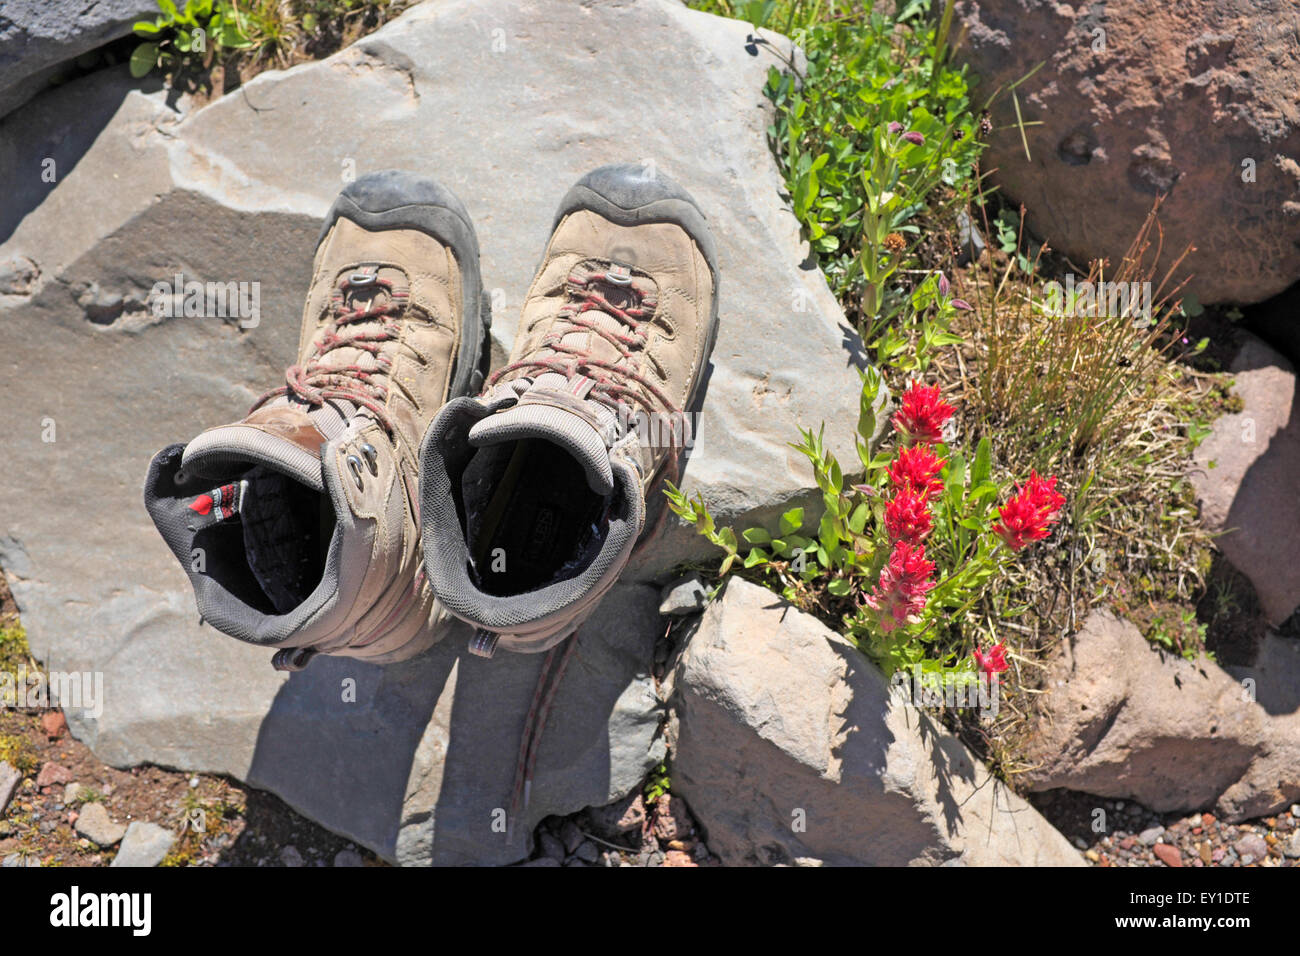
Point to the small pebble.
(1168, 855)
(1150, 835)
(290, 856)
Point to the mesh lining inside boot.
(287, 530)
(270, 554)
(531, 519)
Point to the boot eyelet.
(371, 456)
(354, 464)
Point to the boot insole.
(540, 523)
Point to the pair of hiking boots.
(386, 485)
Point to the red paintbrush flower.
(995, 662)
(907, 517)
(917, 468)
(922, 414)
(904, 583)
(1030, 512)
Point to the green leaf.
(827, 533)
(839, 587)
(727, 538)
(146, 28)
(755, 557)
(955, 482)
(231, 36)
(983, 466)
(756, 536)
(143, 59)
(791, 521)
(858, 520)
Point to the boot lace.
(318, 380)
(612, 378)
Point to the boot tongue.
(283, 435)
(549, 410)
(554, 406)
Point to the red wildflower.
(1030, 511)
(904, 583)
(995, 662)
(922, 415)
(917, 468)
(907, 517)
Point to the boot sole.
(396, 199)
(624, 194)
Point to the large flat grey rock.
(507, 103)
(419, 765)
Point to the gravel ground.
(216, 821)
(1132, 835)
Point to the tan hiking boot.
(299, 525)
(534, 495)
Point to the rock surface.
(1194, 99)
(52, 773)
(145, 844)
(235, 192)
(1247, 478)
(9, 780)
(686, 595)
(94, 824)
(34, 37)
(1121, 719)
(791, 747)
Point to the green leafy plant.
(924, 327)
(875, 135)
(180, 37)
(14, 652)
(1180, 632)
(19, 753)
(657, 784)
